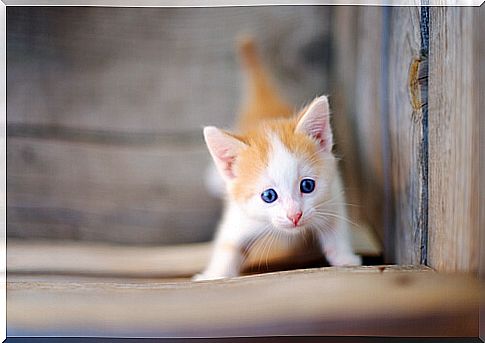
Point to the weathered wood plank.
(481, 63)
(127, 194)
(342, 102)
(406, 134)
(97, 259)
(367, 116)
(453, 139)
(359, 130)
(357, 110)
(155, 70)
(316, 302)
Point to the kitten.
(280, 177)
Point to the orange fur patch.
(253, 160)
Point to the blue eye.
(269, 195)
(307, 185)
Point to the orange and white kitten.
(280, 177)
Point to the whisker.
(259, 253)
(324, 226)
(305, 239)
(253, 240)
(342, 203)
(269, 249)
(335, 215)
(254, 237)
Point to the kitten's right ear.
(224, 149)
(315, 122)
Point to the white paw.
(346, 260)
(205, 276)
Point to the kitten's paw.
(205, 276)
(347, 260)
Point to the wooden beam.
(96, 259)
(383, 300)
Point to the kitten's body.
(281, 155)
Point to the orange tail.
(262, 100)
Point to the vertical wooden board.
(481, 42)
(367, 115)
(354, 95)
(405, 134)
(453, 139)
(344, 27)
(481, 222)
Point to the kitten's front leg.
(226, 260)
(337, 246)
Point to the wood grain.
(376, 57)
(125, 194)
(453, 139)
(314, 301)
(367, 116)
(357, 107)
(105, 260)
(342, 103)
(481, 168)
(406, 136)
(146, 70)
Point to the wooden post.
(453, 139)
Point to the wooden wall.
(413, 123)
(106, 108)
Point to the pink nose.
(295, 217)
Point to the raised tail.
(261, 99)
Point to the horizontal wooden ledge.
(379, 300)
(46, 281)
(100, 259)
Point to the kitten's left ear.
(224, 149)
(315, 122)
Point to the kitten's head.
(282, 172)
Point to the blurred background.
(106, 108)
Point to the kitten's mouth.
(290, 226)
(300, 224)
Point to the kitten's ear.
(224, 149)
(315, 122)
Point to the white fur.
(214, 182)
(243, 222)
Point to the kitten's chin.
(290, 228)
